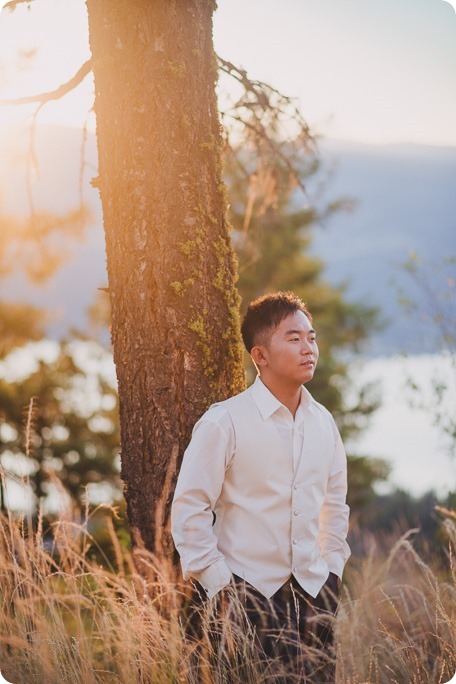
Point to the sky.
(372, 72)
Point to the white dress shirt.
(280, 506)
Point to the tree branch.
(54, 94)
(11, 6)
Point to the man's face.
(291, 355)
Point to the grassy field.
(67, 620)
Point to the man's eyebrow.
(299, 332)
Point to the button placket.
(296, 550)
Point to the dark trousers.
(289, 637)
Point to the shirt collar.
(268, 403)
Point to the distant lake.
(406, 435)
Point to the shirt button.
(295, 541)
(295, 512)
(294, 569)
(296, 488)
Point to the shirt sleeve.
(335, 513)
(198, 487)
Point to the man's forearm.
(333, 533)
(198, 488)
(197, 547)
(334, 515)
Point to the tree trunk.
(171, 269)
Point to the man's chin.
(307, 376)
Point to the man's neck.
(288, 396)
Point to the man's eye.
(294, 339)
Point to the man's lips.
(307, 363)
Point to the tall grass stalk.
(397, 620)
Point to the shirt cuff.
(336, 563)
(214, 578)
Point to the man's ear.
(259, 356)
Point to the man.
(270, 465)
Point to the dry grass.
(66, 620)
(397, 622)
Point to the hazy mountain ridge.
(405, 201)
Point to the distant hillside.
(406, 200)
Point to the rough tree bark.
(171, 269)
